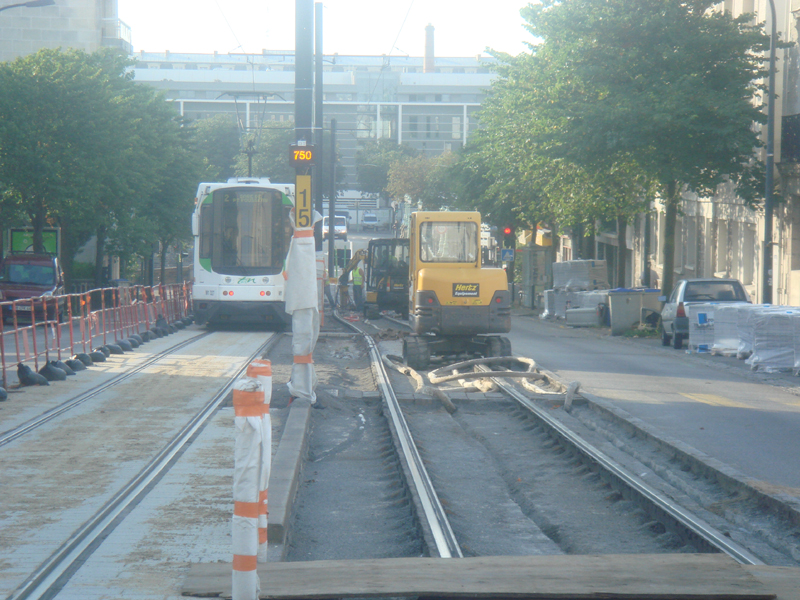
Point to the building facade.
(371, 97)
(79, 24)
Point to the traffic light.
(508, 237)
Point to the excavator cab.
(455, 304)
(386, 277)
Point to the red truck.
(27, 275)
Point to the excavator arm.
(358, 256)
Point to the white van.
(339, 228)
(369, 221)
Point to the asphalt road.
(747, 420)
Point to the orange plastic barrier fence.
(48, 327)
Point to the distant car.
(674, 321)
(370, 221)
(339, 228)
(28, 275)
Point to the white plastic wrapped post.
(248, 404)
(302, 303)
(261, 369)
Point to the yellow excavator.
(456, 306)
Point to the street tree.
(668, 84)
(408, 177)
(63, 147)
(84, 148)
(217, 139)
(373, 162)
(265, 153)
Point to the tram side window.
(206, 230)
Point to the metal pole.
(304, 69)
(318, 121)
(766, 293)
(332, 205)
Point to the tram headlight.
(265, 280)
(227, 280)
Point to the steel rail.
(688, 520)
(12, 434)
(59, 567)
(434, 514)
(397, 321)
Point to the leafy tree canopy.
(373, 162)
(617, 96)
(217, 139)
(84, 148)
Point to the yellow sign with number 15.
(303, 202)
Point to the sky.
(361, 27)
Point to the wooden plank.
(660, 576)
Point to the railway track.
(434, 482)
(61, 557)
(31, 425)
(693, 526)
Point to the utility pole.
(302, 153)
(316, 181)
(766, 289)
(304, 72)
(332, 205)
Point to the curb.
(700, 463)
(284, 476)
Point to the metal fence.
(48, 327)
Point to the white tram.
(241, 238)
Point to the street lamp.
(30, 4)
(766, 290)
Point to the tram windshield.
(245, 231)
(450, 242)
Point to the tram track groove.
(10, 435)
(685, 518)
(47, 579)
(436, 522)
(680, 506)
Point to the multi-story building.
(80, 24)
(398, 98)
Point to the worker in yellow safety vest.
(358, 286)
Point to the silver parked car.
(675, 323)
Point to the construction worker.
(358, 285)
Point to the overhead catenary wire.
(389, 54)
